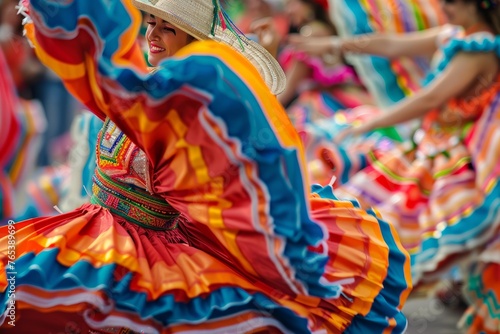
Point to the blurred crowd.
(34, 82)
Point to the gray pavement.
(431, 316)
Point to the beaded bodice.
(120, 159)
(121, 182)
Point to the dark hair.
(321, 15)
(490, 13)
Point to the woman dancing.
(201, 218)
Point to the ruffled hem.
(455, 221)
(483, 293)
(478, 42)
(467, 231)
(92, 262)
(108, 270)
(476, 224)
(393, 191)
(113, 300)
(383, 313)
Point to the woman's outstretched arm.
(421, 43)
(459, 76)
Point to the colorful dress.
(33, 191)
(9, 135)
(388, 80)
(328, 89)
(483, 292)
(329, 93)
(441, 189)
(201, 217)
(24, 191)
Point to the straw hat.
(196, 17)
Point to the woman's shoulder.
(452, 37)
(459, 42)
(481, 41)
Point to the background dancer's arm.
(459, 76)
(421, 43)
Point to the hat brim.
(266, 64)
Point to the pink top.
(321, 73)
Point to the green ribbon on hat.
(224, 21)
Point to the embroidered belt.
(133, 204)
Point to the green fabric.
(391, 133)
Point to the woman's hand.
(316, 46)
(354, 131)
(345, 133)
(267, 34)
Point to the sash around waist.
(133, 204)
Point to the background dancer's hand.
(353, 131)
(317, 46)
(267, 34)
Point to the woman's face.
(163, 39)
(298, 12)
(459, 12)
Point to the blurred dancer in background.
(317, 86)
(440, 189)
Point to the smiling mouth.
(156, 49)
